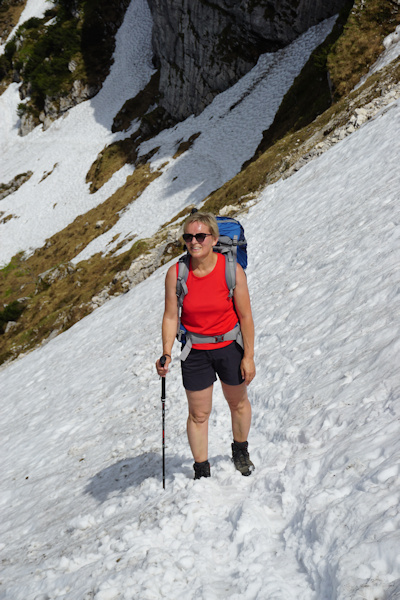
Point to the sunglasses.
(200, 237)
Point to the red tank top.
(206, 308)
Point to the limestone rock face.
(202, 47)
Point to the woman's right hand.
(163, 370)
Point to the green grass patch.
(13, 265)
(41, 53)
(361, 42)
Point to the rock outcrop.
(204, 47)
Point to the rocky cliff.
(202, 47)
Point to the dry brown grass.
(68, 243)
(57, 306)
(361, 43)
(110, 160)
(116, 155)
(10, 13)
(186, 145)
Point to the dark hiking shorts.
(201, 367)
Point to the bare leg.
(236, 396)
(200, 404)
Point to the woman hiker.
(207, 310)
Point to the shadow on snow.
(131, 472)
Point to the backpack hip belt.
(234, 334)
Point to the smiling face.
(200, 249)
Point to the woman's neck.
(204, 266)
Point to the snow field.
(319, 517)
(333, 332)
(84, 515)
(87, 513)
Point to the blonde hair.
(208, 219)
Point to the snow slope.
(61, 156)
(83, 512)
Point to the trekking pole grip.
(163, 360)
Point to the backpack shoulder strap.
(183, 273)
(230, 253)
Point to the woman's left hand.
(248, 369)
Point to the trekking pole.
(162, 363)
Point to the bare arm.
(243, 308)
(170, 319)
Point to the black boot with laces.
(241, 458)
(201, 469)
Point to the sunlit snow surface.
(83, 512)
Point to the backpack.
(232, 243)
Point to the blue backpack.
(232, 243)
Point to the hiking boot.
(201, 469)
(241, 458)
